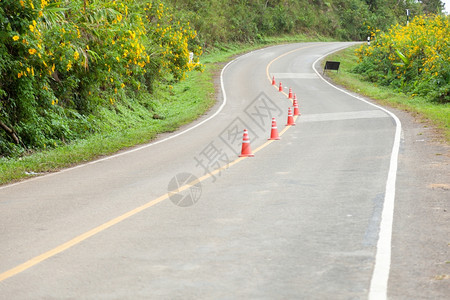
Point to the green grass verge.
(437, 114)
(176, 105)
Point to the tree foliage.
(432, 6)
(235, 20)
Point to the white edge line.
(380, 275)
(224, 101)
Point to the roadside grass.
(438, 115)
(173, 104)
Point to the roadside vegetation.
(413, 59)
(407, 67)
(82, 79)
(73, 69)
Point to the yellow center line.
(35, 260)
(80, 238)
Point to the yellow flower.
(16, 38)
(32, 51)
(76, 55)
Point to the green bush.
(414, 58)
(63, 62)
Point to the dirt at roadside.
(420, 266)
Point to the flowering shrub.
(415, 58)
(62, 61)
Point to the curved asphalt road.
(301, 219)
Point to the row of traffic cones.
(246, 151)
(291, 96)
(280, 88)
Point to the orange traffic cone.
(280, 88)
(274, 132)
(290, 93)
(290, 120)
(296, 110)
(246, 151)
(273, 81)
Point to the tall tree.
(432, 6)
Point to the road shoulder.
(420, 242)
